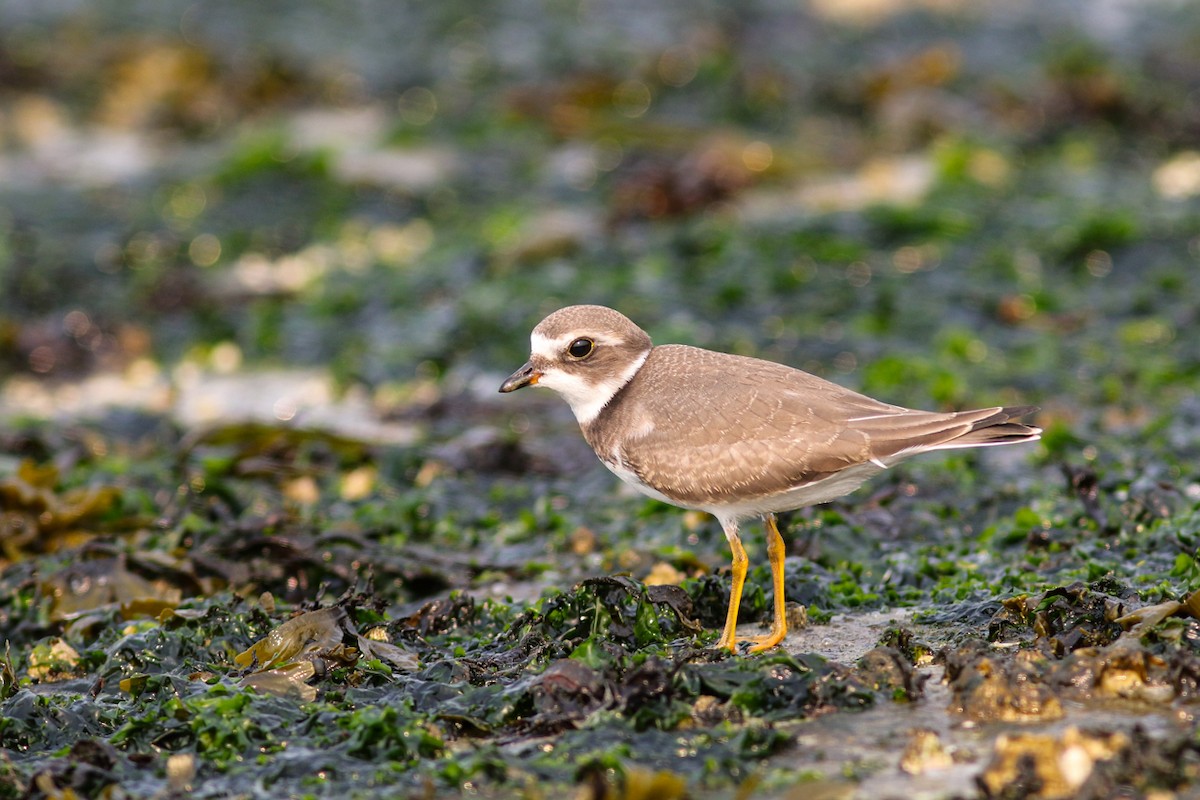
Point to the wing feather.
(715, 428)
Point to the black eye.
(581, 348)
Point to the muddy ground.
(269, 530)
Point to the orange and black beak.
(525, 376)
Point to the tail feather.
(996, 429)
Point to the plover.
(733, 436)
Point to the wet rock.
(1118, 673)
(708, 711)
(1092, 765)
(886, 668)
(987, 687)
(567, 691)
(1082, 655)
(1133, 675)
(442, 615)
(1013, 621)
(88, 771)
(1074, 616)
(488, 450)
(647, 694)
(915, 651)
(1064, 619)
(797, 615)
(924, 753)
(1183, 669)
(1046, 766)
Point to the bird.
(734, 436)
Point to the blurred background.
(328, 212)
(263, 266)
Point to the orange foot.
(757, 643)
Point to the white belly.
(802, 496)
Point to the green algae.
(1042, 264)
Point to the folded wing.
(758, 428)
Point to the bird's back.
(706, 429)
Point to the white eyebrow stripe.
(543, 346)
(549, 347)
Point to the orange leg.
(728, 638)
(775, 552)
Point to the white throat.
(586, 399)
